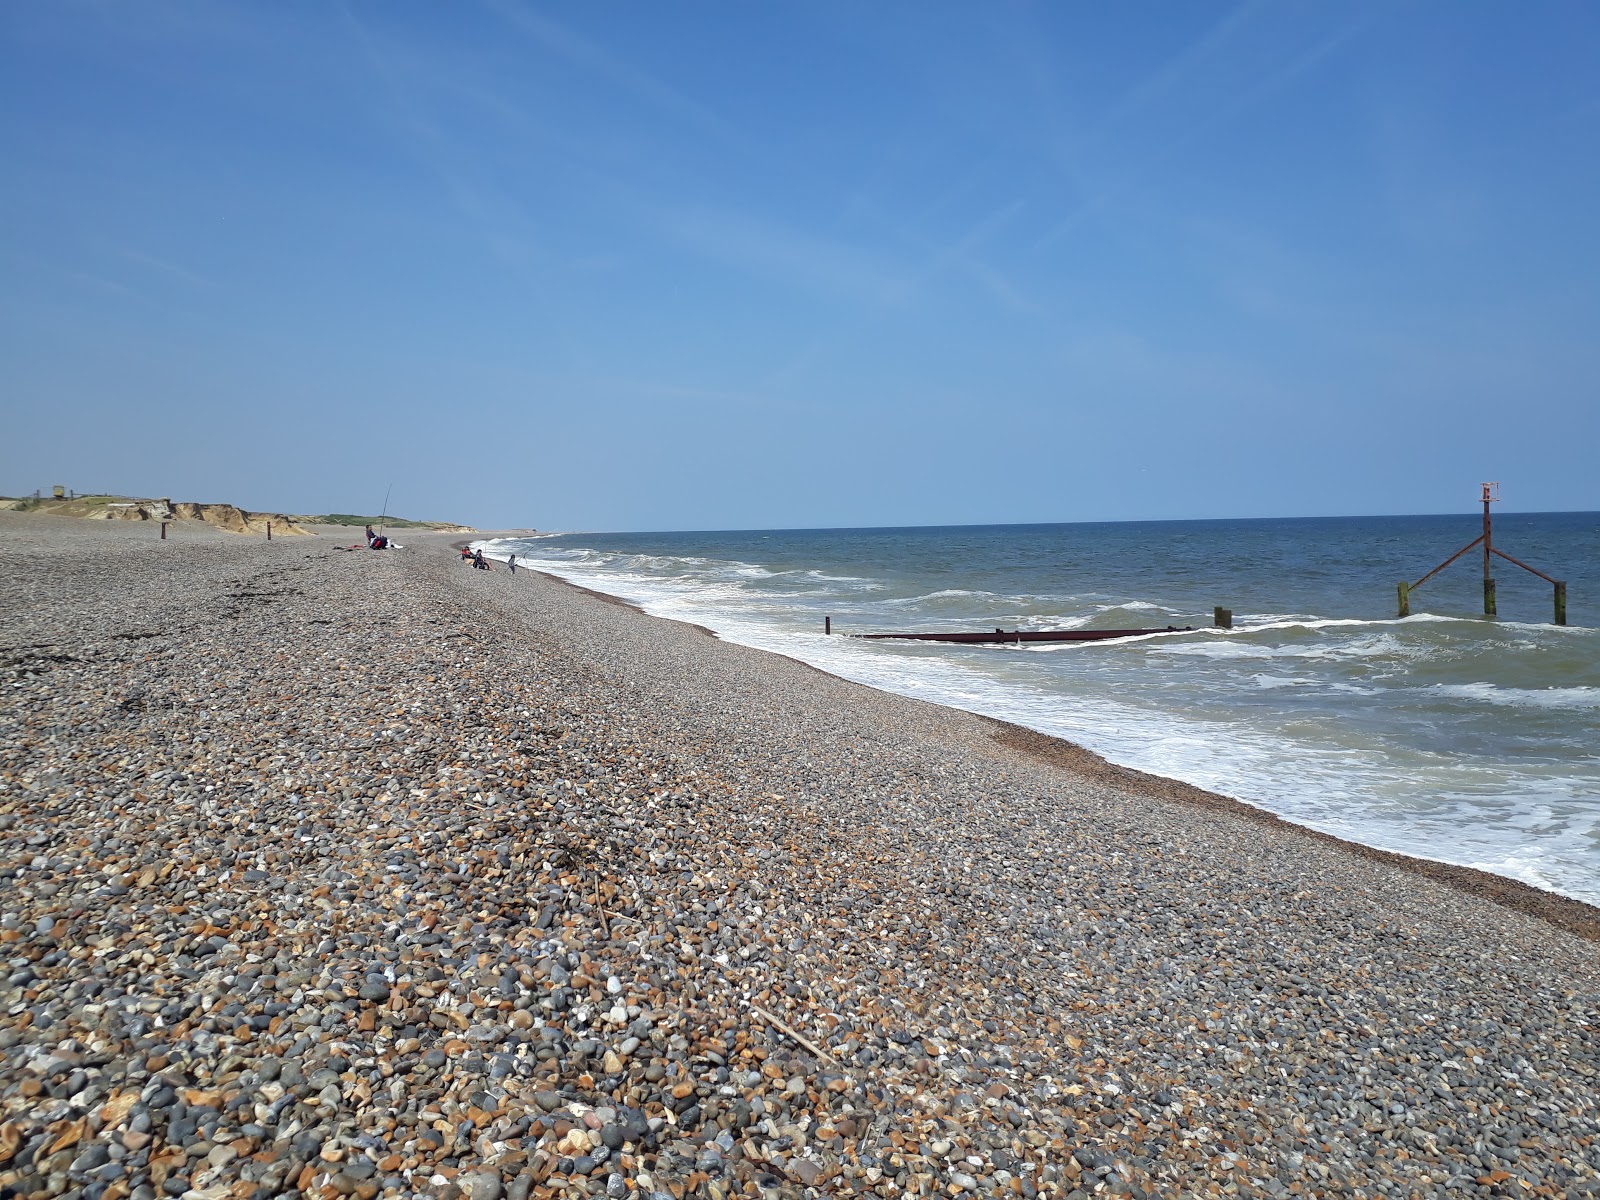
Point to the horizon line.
(1026, 524)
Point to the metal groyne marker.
(1491, 495)
(1222, 618)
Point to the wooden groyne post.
(1222, 618)
(1491, 495)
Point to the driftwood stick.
(599, 907)
(782, 1028)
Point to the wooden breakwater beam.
(1222, 618)
(1006, 637)
(1491, 495)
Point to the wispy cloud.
(999, 286)
(786, 254)
(498, 218)
(1276, 81)
(962, 252)
(98, 272)
(1101, 186)
(99, 284)
(958, 253)
(1176, 73)
(590, 56)
(162, 265)
(696, 396)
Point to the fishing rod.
(383, 523)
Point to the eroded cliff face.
(238, 520)
(223, 516)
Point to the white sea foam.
(1141, 641)
(1269, 623)
(1371, 648)
(945, 594)
(1489, 693)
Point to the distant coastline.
(230, 517)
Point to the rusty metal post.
(1561, 604)
(1488, 549)
(827, 625)
(1222, 618)
(163, 531)
(1405, 598)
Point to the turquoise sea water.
(1442, 735)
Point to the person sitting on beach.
(477, 561)
(370, 535)
(466, 555)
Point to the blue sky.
(718, 265)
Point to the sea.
(1442, 735)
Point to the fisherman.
(370, 535)
(512, 563)
(477, 561)
(466, 555)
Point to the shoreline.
(372, 875)
(1566, 913)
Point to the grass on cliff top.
(83, 506)
(78, 506)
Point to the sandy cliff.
(223, 516)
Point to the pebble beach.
(354, 873)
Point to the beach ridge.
(369, 874)
(1566, 913)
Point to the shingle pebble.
(363, 874)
